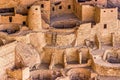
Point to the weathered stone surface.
(26, 55)
(59, 39)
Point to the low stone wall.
(53, 55)
(60, 39)
(63, 30)
(7, 58)
(65, 40)
(43, 74)
(105, 68)
(81, 73)
(46, 57)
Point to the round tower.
(34, 18)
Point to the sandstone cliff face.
(21, 2)
(114, 2)
(20, 5)
(30, 2)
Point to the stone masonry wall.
(7, 56)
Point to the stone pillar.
(98, 42)
(105, 54)
(25, 73)
(113, 39)
(34, 18)
(80, 57)
(52, 61)
(65, 59)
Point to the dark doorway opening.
(10, 19)
(24, 23)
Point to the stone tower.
(34, 18)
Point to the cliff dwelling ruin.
(59, 39)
